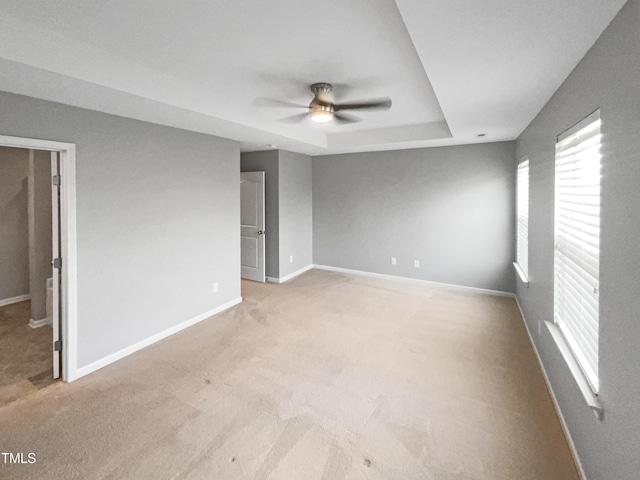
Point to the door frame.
(68, 245)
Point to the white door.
(55, 263)
(252, 226)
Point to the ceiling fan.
(322, 109)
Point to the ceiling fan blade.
(379, 103)
(275, 103)
(294, 118)
(343, 118)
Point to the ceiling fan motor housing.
(321, 107)
(321, 88)
(322, 100)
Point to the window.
(522, 202)
(577, 242)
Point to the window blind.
(577, 242)
(522, 202)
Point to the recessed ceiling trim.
(384, 136)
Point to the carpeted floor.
(327, 377)
(25, 353)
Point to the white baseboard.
(103, 362)
(39, 323)
(448, 286)
(290, 276)
(19, 298)
(565, 428)
(295, 274)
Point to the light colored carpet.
(25, 353)
(327, 377)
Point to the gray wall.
(451, 208)
(25, 204)
(295, 212)
(609, 78)
(158, 217)
(40, 250)
(267, 162)
(14, 221)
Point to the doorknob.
(260, 232)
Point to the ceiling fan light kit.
(321, 113)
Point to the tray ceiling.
(453, 69)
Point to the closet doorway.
(38, 265)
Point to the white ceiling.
(453, 69)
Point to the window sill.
(589, 395)
(521, 274)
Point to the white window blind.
(522, 201)
(577, 241)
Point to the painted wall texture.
(607, 78)
(14, 222)
(450, 208)
(40, 236)
(296, 212)
(158, 217)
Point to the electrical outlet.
(393, 260)
(215, 287)
(416, 264)
(291, 259)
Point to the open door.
(252, 226)
(56, 263)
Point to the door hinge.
(57, 345)
(57, 263)
(56, 180)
